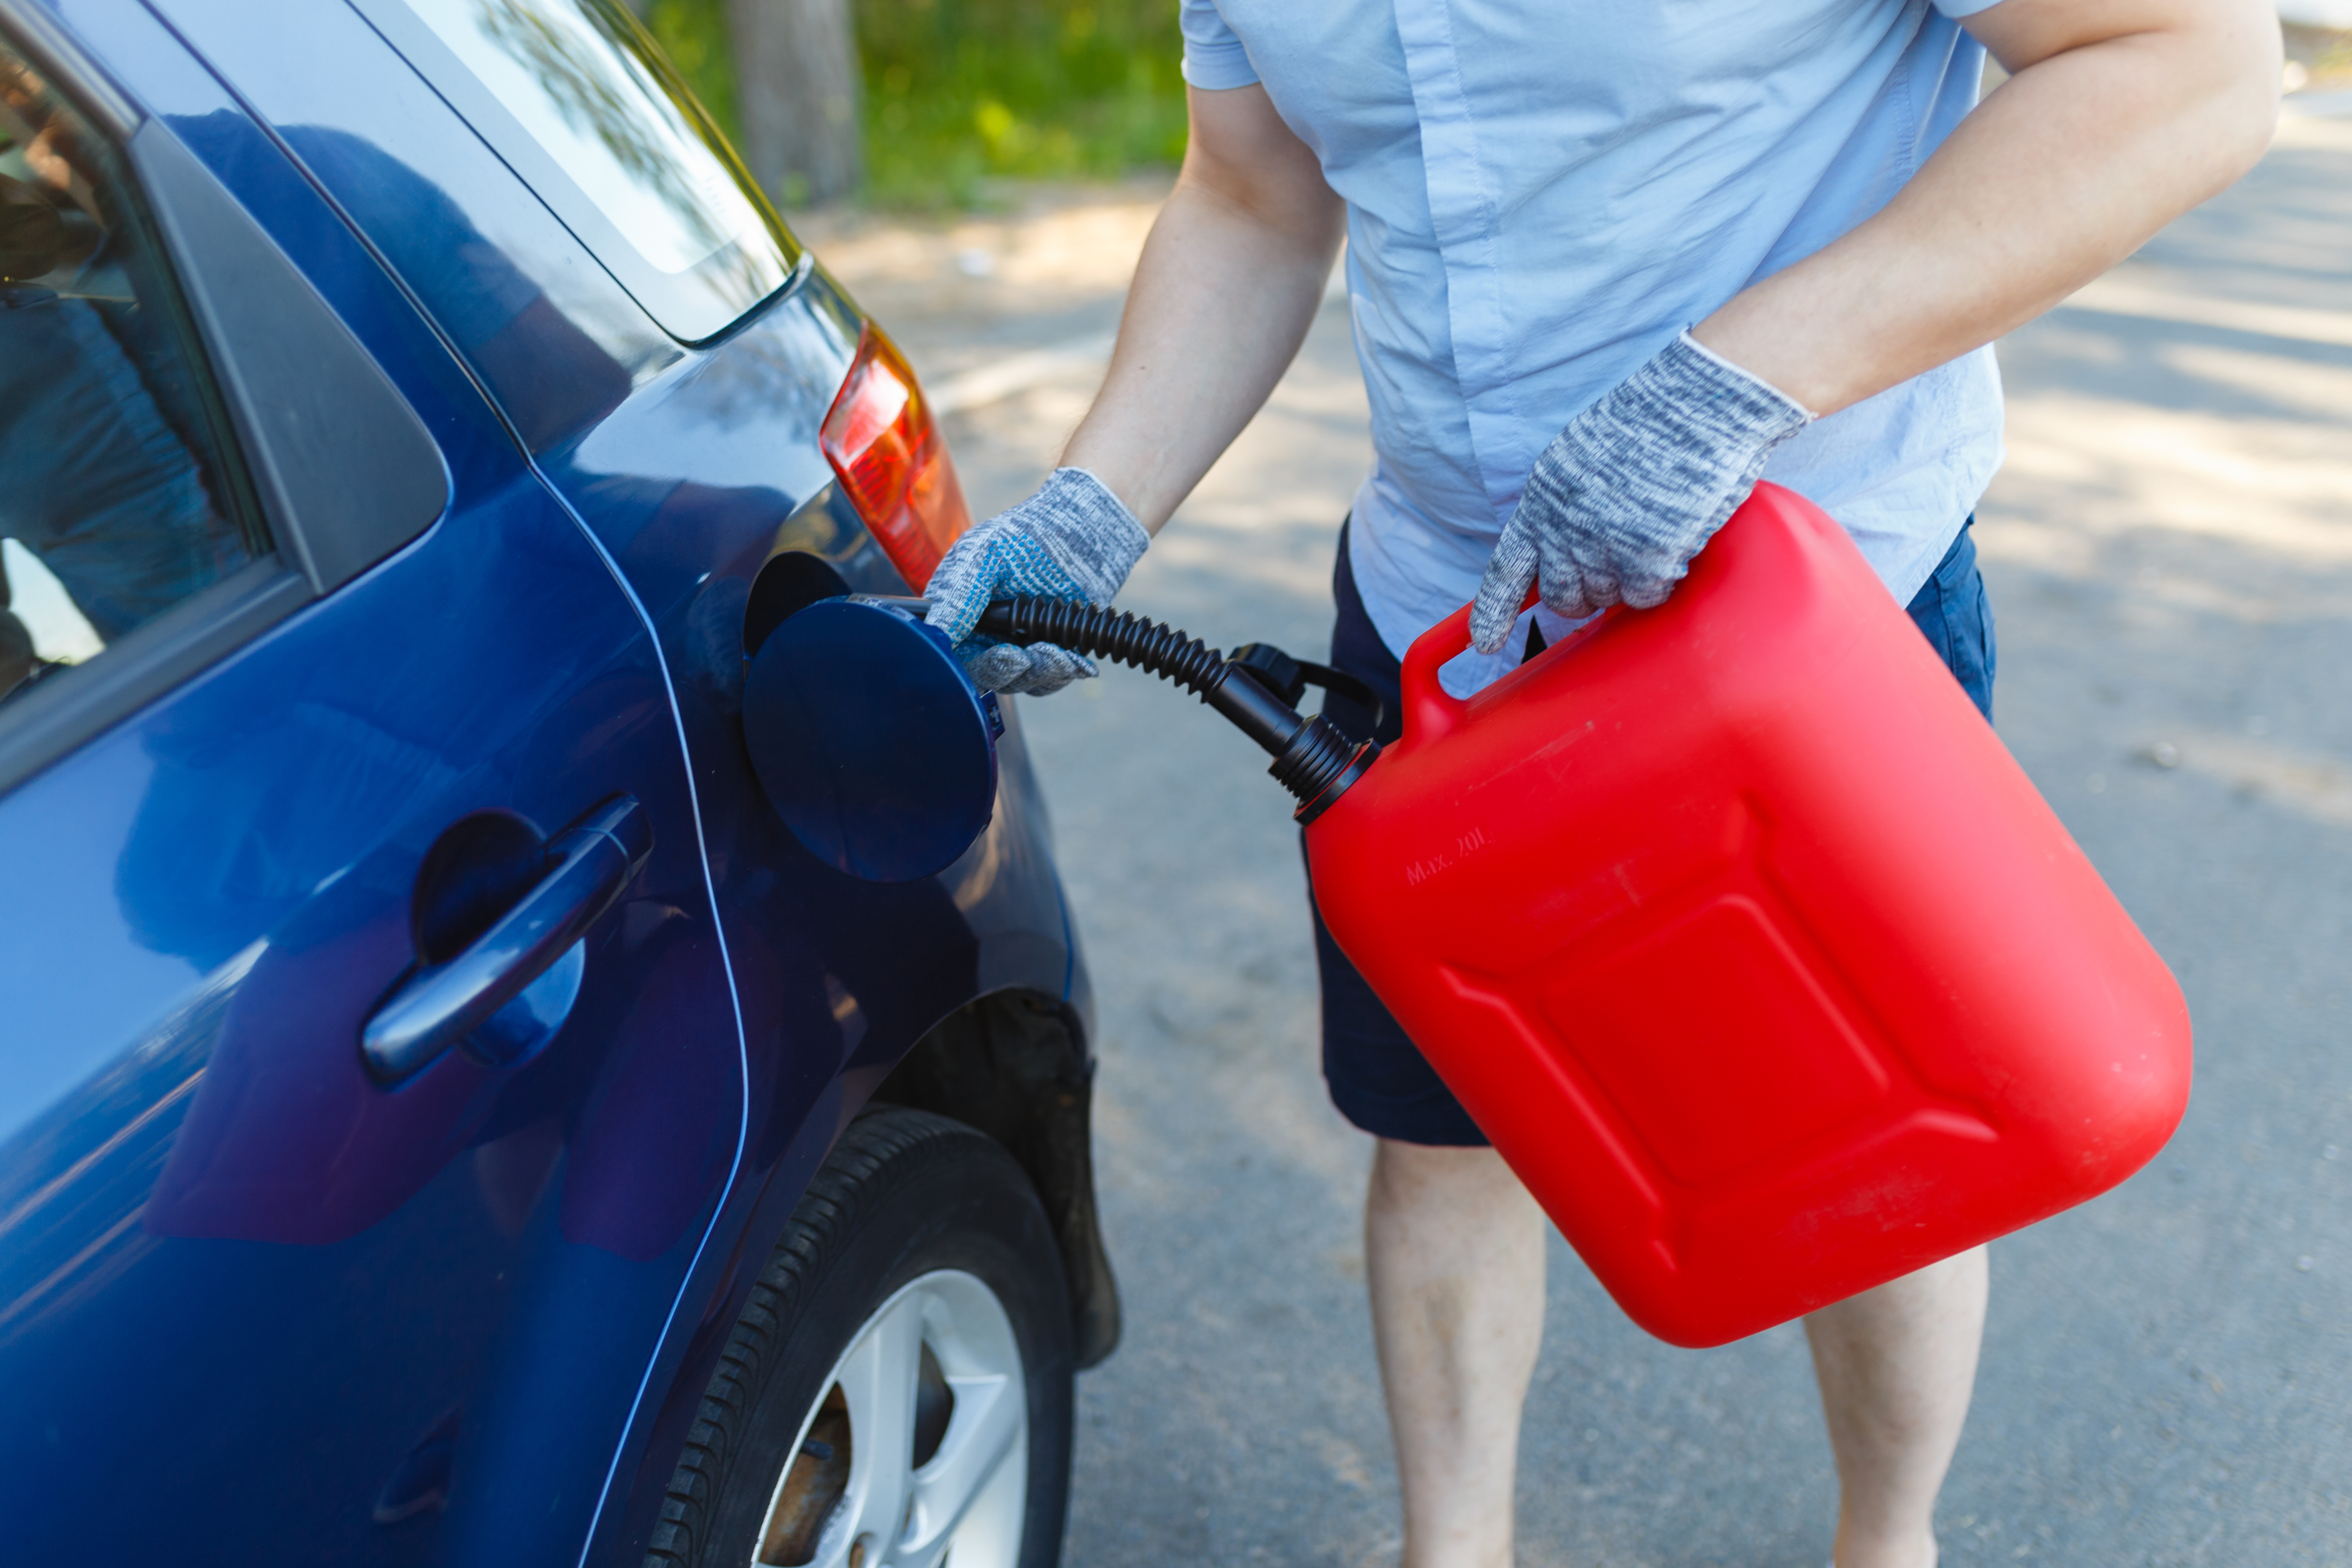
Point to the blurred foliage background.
(961, 91)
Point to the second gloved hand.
(1633, 488)
(1073, 540)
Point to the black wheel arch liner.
(1015, 1066)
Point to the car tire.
(900, 1382)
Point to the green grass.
(961, 91)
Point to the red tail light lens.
(891, 462)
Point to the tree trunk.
(796, 89)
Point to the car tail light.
(892, 463)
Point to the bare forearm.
(2084, 153)
(1228, 282)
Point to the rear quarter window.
(578, 99)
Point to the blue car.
(444, 1115)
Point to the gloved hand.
(1073, 540)
(1633, 488)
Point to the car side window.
(575, 96)
(119, 498)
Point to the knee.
(1448, 1196)
(1904, 1354)
(1411, 1174)
(1951, 1293)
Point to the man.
(1607, 263)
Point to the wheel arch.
(1014, 1065)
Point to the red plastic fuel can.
(1748, 944)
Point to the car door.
(673, 400)
(369, 1074)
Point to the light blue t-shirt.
(1540, 195)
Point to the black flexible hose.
(1149, 645)
(1312, 760)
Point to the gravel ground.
(2167, 1377)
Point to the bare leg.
(1896, 1365)
(1454, 1255)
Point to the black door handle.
(439, 1005)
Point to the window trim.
(70, 708)
(44, 41)
(671, 301)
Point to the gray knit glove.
(1073, 540)
(1633, 488)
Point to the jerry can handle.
(1430, 711)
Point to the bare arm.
(1228, 282)
(2118, 116)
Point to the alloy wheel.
(918, 1446)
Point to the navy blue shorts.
(1376, 1076)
